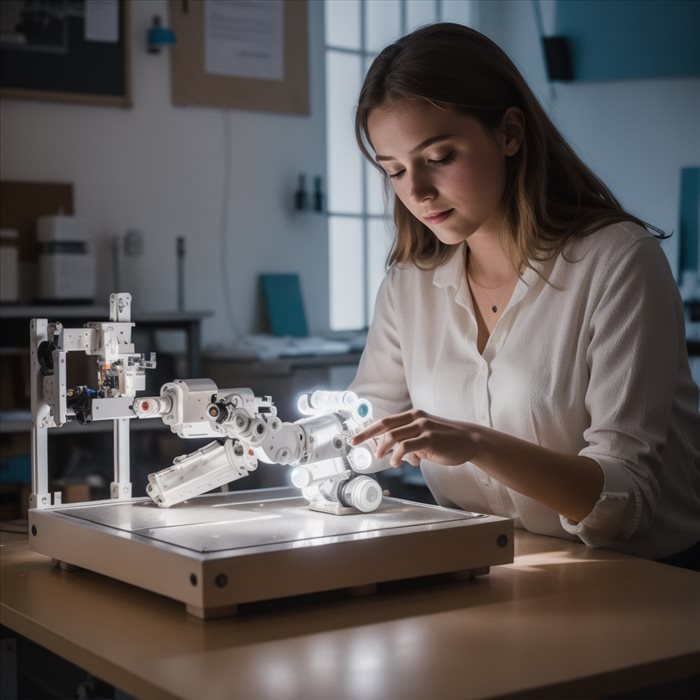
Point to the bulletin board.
(194, 82)
(66, 51)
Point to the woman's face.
(447, 169)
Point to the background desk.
(562, 621)
(15, 326)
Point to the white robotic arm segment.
(183, 405)
(327, 467)
(198, 472)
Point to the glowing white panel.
(380, 236)
(382, 23)
(420, 12)
(346, 273)
(343, 23)
(344, 161)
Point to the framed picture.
(66, 51)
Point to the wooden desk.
(562, 621)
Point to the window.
(359, 225)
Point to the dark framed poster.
(66, 50)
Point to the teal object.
(631, 39)
(689, 224)
(16, 470)
(284, 304)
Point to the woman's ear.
(512, 130)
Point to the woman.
(527, 348)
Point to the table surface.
(562, 620)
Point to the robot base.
(217, 551)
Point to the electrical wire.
(226, 286)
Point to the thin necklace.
(485, 290)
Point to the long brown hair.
(550, 197)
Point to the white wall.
(160, 169)
(635, 134)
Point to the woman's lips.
(438, 218)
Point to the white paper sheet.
(102, 20)
(244, 38)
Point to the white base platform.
(216, 551)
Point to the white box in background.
(66, 261)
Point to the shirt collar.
(451, 272)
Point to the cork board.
(193, 85)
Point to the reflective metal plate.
(222, 522)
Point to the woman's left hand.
(416, 435)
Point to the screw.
(221, 580)
(34, 530)
(193, 579)
(502, 540)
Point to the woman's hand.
(569, 484)
(416, 435)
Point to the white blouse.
(593, 363)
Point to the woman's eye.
(397, 174)
(442, 161)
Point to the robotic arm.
(332, 474)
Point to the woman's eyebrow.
(419, 147)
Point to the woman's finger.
(413, 446)
(390, 438)
(380, 427)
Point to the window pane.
(343, 23)
(346, 273)
(380, 236)
(344, 162)
(382, 23)
(420, 12)
(459, 11)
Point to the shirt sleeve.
(380, 376)
(636, 340)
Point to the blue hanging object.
(159, 36)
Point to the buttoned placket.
(483, 396)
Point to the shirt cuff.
(615, 514)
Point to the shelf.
(24, 425)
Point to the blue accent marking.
(628, 39)
(363, 410)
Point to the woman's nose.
(421, 189)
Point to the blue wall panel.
(628, 39)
